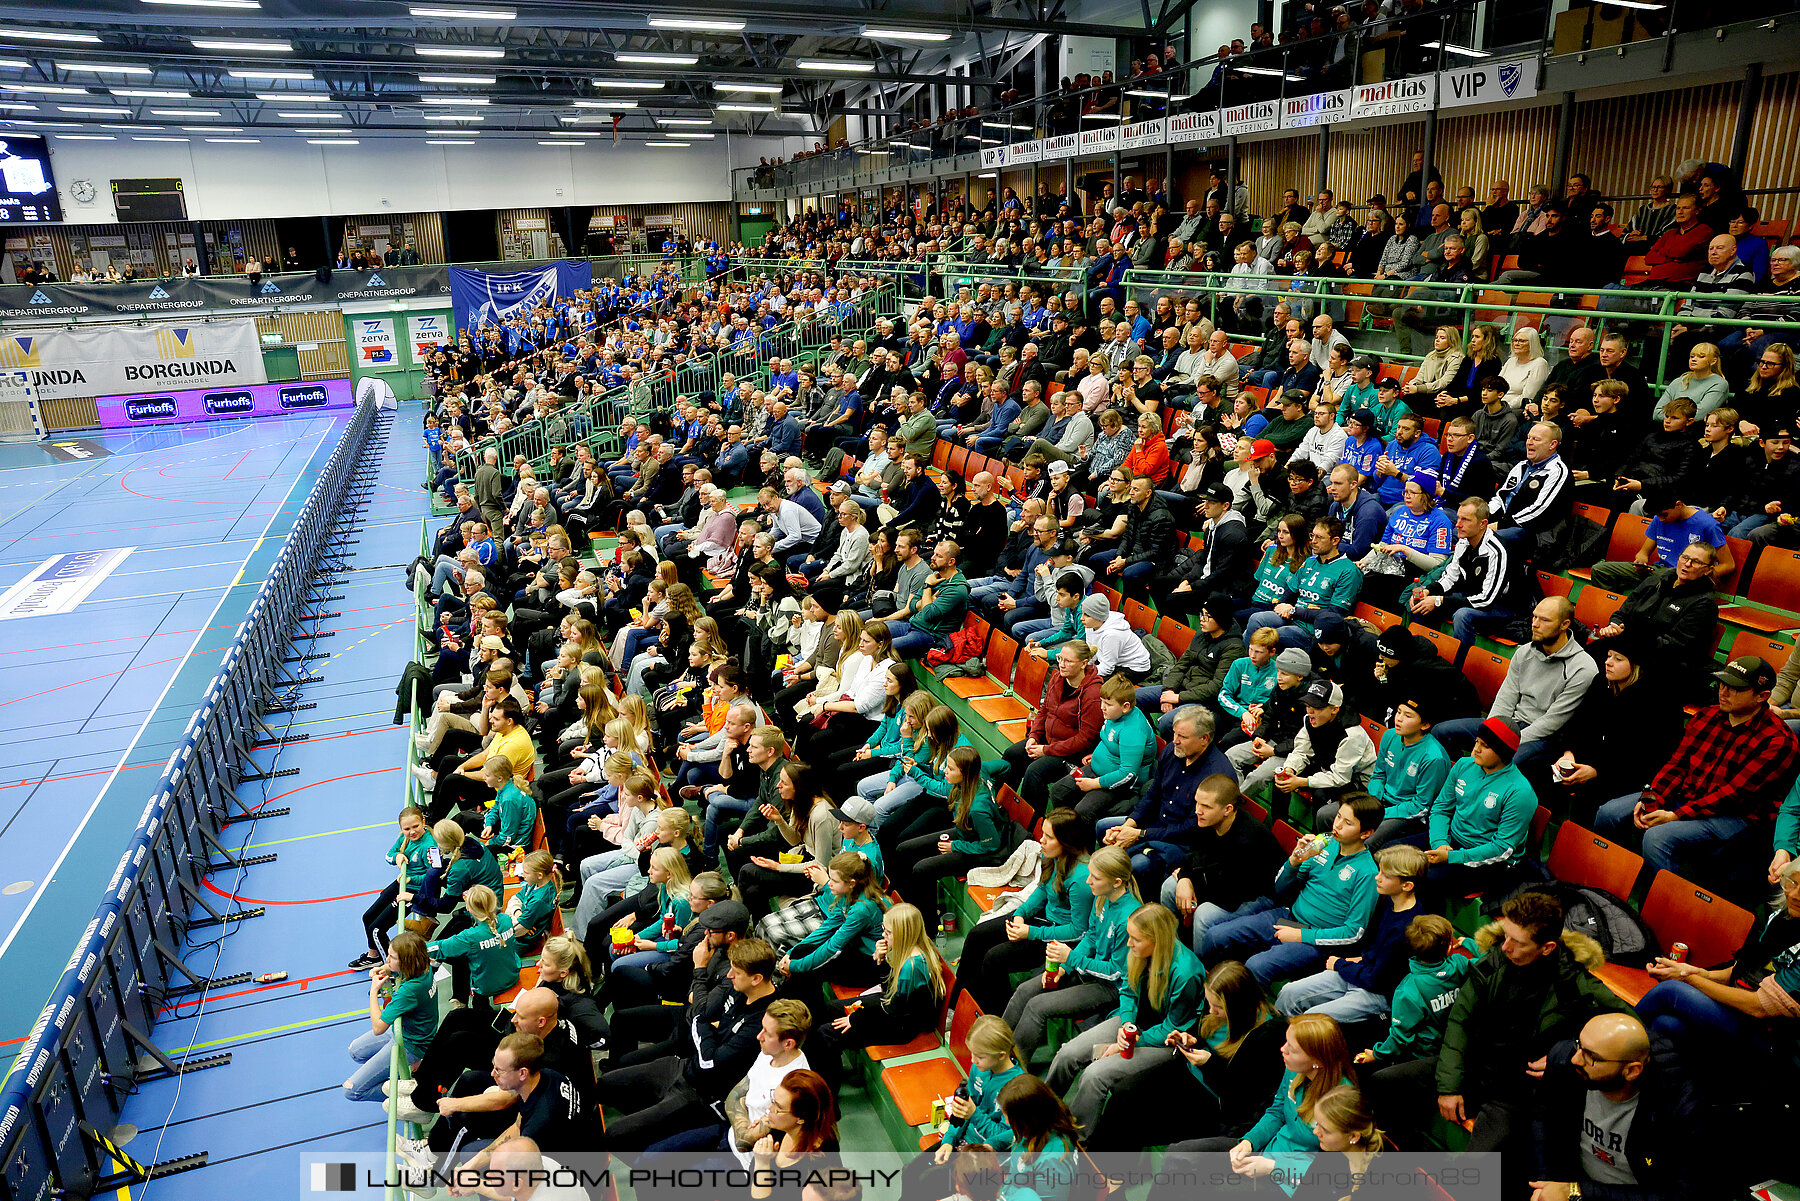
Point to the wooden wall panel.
(1774, 147)
(1518, 146)
(330, 359)
(71, 413)
(1621, 143)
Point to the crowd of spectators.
(598, 622)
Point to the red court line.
(229, 896)
(334, 779)
(235, 466)
(226, 996)
(159, 762)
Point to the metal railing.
(91, 1044)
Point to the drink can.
(1130, 1032)
(948, 924)
(1678, 952)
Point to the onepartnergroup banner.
(110, 360)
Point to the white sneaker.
(422, 740)
(427, 777)
(417, 1152)
(403, 1087)
(408, 1112)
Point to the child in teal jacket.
(483, 959)
(512, 816)
(534, 904)
(842, 949)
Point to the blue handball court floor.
(95, 698)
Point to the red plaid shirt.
(1722, 770)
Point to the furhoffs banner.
(109, 360)
(483, 297)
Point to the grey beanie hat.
(1096, 607)
(1294, 660)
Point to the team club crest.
(1510, 75)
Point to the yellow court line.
(321, 834)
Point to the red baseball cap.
(1261, 448)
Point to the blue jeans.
(1151, 862)
(1749, 525)
(872, 789)
(1026, 611)
(1330, 994)
(370, 1050)
(1678, 1011)
(1287, 634)
(1666, 845)
(1149, 699)
(1206, 914)
(910, 641)
(987, 593)
(1469, 620)
(1026, 630)
(1249, 935)
(1133, 576)
(719, 809)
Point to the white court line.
(157, 704)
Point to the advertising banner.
(212, 404)
(993, 157)
(481, 297)
(376, 347)
(1256, 117)
(1143, 133)
(1323, 108)
(1063, 145)
(429, 331)
(108, 360)
(49, 302)
(1488, 83)
(1027, 152)
(60, 583)
(1194, 127)
(1393, 96)
(1102, 139)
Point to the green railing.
(1461, 305)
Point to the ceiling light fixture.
(271, 73)
(52, 35)
(496, 15)
(236, 141)
(454, 117)
(254, 45)
(459, 51)
(103, 68)
(332, 142)
(18, 106)
(456, 100)
(13, 64)
(314, 116)
(605, 103)
(292, 98)
(906, 35)
(1099, 116)
(93, 110)
(634, 85)
(760, 89)
(670, 145)
(658, 60)
(446, 142)
(831, 64)
(186, 113)
(684, 120)
(564, 145)
(470, 80)
(43, 89)
(239, 4)
(214, 128)
(135, 128)
(744, 108)
(86, 137)
(708, 24)
(152, 93)
(159, 139)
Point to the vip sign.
(993, 156)
(1194, 127)
(1256, 117)
(1298, 112)
(1489, 83)
(1393, 96)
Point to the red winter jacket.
(1068, 720)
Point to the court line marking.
(68, 846)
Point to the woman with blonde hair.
(1162, 993)
(657, 931)
(898, 1011)
(853, 716)
(921, 811)
(1526, 369)
(901, 732)
(483, 959)
(1091, 973)
(1440, 365)
(1703, 383)
(837, 679)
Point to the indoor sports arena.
(1108, 600)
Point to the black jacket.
(1609, 731)
(1761, 481)
(1678, 619)
(1282, 716)
(1666, 1146)
(1663, 460)
(1149, 532)
(1713, 480)
(1200, 672)
(1230, 869)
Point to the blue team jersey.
(1429, 533)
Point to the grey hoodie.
(1541, 691)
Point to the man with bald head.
(984, 529)
(454, 1072)
(1725, 275)
(1616, 1118)
(529, 1175)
